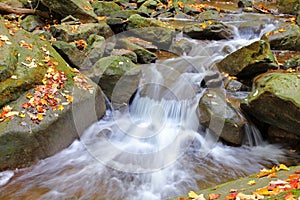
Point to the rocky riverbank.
(55, 63)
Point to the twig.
(6, 8)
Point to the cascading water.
(153, 150)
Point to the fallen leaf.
(213, 196)
(252, 182)
(193, 195)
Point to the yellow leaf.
(209, 22)
(282, 30)
(22, 115)
(282, 167)
(69, 98)
(180, 4)
(252, 182)
(28, 95)
(40, 116)
(193, 195)
(7, 108)
(60, 107)
(264, 191)
(203, 25)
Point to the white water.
(154, 150)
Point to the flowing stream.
(155, 149)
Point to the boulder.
(104, 8)
(31, 22)
(118, 77)
(208, 15)
(123, 14)
(45, 104)
(126, 53)
(249, 61)
(285, 38)
(245, 3)
(221, 117)
(143, 55)
(70, 33)
(288, 6)
(275, 99)
(148, 7)
(283, 137)
(70, 53)
(209, 30)
(150, 30)
(181, 46)
(116, 24)
(80, 9)
(96, 45)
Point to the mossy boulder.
(151, 30)
(80, 9)
(118, 77)
(31, 22)
(275, 99)
(123, 14)
(221, 117)
(288, 6)
(70, 53)
(126, 53)
(96, 45)
(245, 3)
(285, 38)
(104, 8)
(143, 55)
(26, 138)
(208, 30)
(70, 33)
(292, 63)
(249, 61)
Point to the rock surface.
(221, 117)
(275, 99)
(249, 61)
(47, 111)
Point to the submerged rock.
(275, 99)
(70, 33)
(80, 9)
(118, 77)
(221, 117)
(209, 30)
(48, 104)
(249, 61)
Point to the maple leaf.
(192, 195)
(213, 196)
(282, 167)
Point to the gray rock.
(80, 9)
(245, 3)
(70, 33)
(208, 15)
(124, 14)
(210, 30)
(181, 46)
(126, 53)
(221, 117)
(104, 8)
(31, 22)
(143, 55)
(70, 53)
(289, 7)
(95, 47)
(118, 77)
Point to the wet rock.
(148, 6)
(182, 16)
(293, 63)
(288, 6)
(275, 99)
(143, 55)
(165, 15)
(126, 53)
(181, 47)
(96, 45)
(80, 9)
(24, 140)
(31, 22)
(70, 53)
(283, 137)
(247, 62)
(118, 77)
(150, 30)
(70, 33)
(142, 43)
(210, 30)
(245, 3)
(221, 117)
(212, 80)
(285, 38)
(104, 8)
(232, 85)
